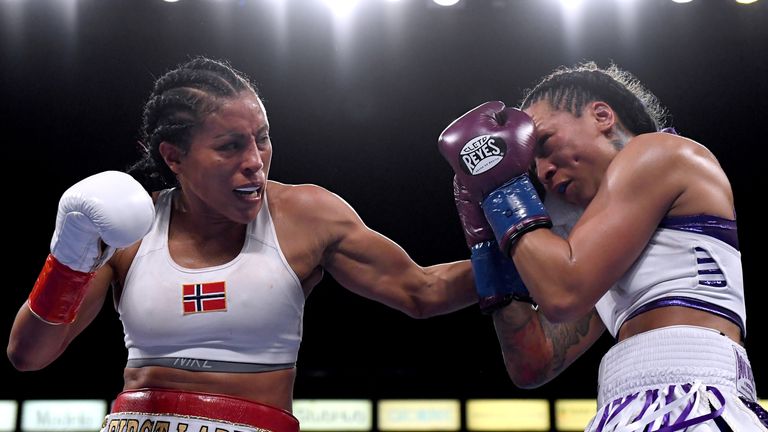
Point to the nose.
(252, 160)
(545, 171)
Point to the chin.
(246, 216)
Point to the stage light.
(62, 415)
(419, 415)
(571, 4)
(8, 410)
(334, 414)
(446, 2)
(507, 415)
(341, 8)
(574, 414)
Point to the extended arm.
(373, 266)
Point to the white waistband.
(674, 355)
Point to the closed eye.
(542, 151)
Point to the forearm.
(528, 355)
(449, 287)
(33, 344)
(536, 350)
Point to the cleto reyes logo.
(482, 153)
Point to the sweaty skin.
(623, 181)
(223, 177)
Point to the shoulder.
(662, 154)
(309, 202)
(665, 148)
(303, 195)
(678, 173)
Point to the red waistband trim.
(207, 405)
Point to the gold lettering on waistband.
(147, 426)
(144, 424)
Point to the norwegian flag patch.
(204, 297)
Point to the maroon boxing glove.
(488, 146)
(491, 148)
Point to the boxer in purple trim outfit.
(636, 234)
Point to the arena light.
(8, 411)
(574, 414)
(571, 4)
(508, 415)
(341, 8)
(334, 414)
(419, 415)
(446, 2)
(746, 1)
(62, 415)
(682, 1)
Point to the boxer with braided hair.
(636, 234)
(211, 280)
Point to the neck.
(199, 222)
(619, 137)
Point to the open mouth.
(249, 191)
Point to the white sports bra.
(242, 316)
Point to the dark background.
(357, 108)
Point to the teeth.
(248, 190)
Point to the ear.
(172, 155)
(604, 116)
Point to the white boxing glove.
(103, 212)
(111, 207)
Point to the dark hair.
(180, 101)
(571, 88)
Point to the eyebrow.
(229, 134)
(262, 129)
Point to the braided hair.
(571, 88)
(181, 99)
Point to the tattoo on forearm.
(563, 336)
(512, 319)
